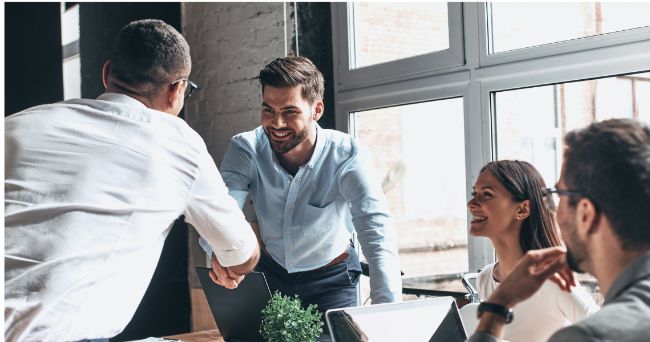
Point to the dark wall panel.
(33, 63)
(315, 43)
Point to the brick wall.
(229, 43)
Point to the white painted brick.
(230, 43)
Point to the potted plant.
(285, 320)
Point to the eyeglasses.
(191, 86)
(552, 196)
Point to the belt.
(342, 257)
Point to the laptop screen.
(435, 319)
(237, 312)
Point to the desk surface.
(199, 336)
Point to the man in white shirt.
(93, 186)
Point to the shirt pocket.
(321, 216)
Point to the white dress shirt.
(91, 190)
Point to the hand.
(530, 273)
(223, 275)
(524, 280)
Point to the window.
(71, 58)
(505, 87)
(425, 190)
(517, 25)
(531, 122)
(382, 41)
(385, 32)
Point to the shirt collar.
(121, 98)
(638, 269)
(320, 146)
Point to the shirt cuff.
(236, 255)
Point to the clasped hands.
(224, 276)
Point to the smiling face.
(494, 211)
(289, 120)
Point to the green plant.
(284, 320)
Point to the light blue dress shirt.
(307, 220)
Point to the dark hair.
(523, 182)
(609, 163)
(150, 54)
(292, 71)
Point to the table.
(199, 336)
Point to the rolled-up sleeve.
(217, 217)
(235, 169)
(372, 222)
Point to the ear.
(106, 69)
(587, 217)
(523, 211)
(318, 110)
(175, 93)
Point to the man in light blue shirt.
(306, 184)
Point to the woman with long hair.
(509, 208)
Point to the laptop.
(237, 312)
(435, 319)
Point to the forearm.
(491, 324)
(380, 251)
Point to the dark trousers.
(328, 287)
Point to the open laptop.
(435, 319)
(237, 312)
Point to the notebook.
(435, 319)
(237, 312)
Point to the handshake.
(230, 277)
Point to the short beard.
(297, 139)
(572, 262)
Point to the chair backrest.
(468, 315)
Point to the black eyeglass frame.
(548, 196)
(193, 86)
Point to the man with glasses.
(602, 202)
(92, 188)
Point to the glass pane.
(531, 122)
(419, 152)
(69, 24)
(385, 32)
(72, 78)
(520, 25)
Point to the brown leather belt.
(342, 257)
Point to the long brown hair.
(523, 182)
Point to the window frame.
(552, 48)
(343, 29)
(478, 79)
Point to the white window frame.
(397, 69)
(477, 80)
(552, 48)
